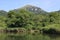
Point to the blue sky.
(47, 5)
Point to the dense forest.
(30, 17)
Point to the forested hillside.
(26, 18)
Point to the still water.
(25, 36)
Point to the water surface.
(25, 36)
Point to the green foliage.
(26, 19)
(20, 19)
(3, 22)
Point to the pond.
(26, 36)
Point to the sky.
(47, 5)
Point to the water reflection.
(26, 36)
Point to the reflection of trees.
(2, 36)
(29, 37)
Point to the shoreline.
(23, 30)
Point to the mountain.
(3, 13)
(58, 11)
(33, 9)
